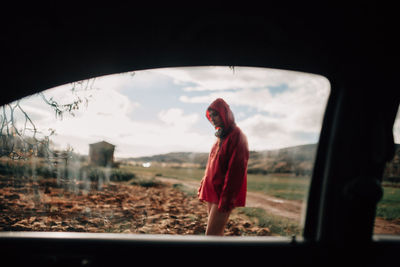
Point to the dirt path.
(289, 209)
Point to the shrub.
(24, 169)
(257, 171)
(94, 174)
(21, 168)
(147, 183)
(121, 175)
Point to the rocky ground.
(51, 205)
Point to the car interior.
(353, 45)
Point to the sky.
(158, 111)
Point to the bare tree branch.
(25, 143)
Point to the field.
(98, 200)
(289, 191)
(160, 199)
(285, 187)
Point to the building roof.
(102, 143)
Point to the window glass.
(126, 153)
(388, 210)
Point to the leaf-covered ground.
(51, 205)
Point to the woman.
(224, 184)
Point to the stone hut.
(101, 154)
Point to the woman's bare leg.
(209, 205)
(216, 220)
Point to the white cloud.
(264, 132)
(108, 117)
(175, 118)
(219, 78)
(302, 88)
(296, 108)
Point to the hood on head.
(224, 112)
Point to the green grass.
(185, 189)
(284, 186)
(389, 207)
(276, 224)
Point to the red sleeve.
(235, 175)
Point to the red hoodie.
(225, 179)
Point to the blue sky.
(163, 110)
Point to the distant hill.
(297, 159)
